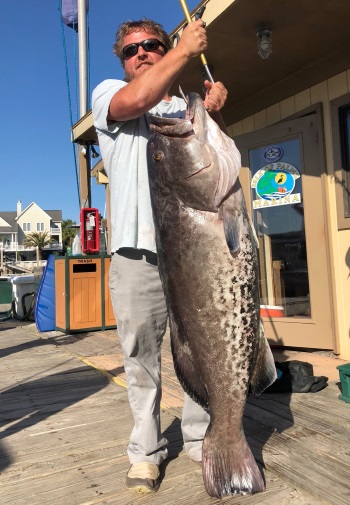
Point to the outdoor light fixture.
(94, 153)
(82, 149)
(264, 41)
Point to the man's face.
(136, 65)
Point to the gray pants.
(140, 310)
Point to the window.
(340, 118)
(344, 127)
(39, 226)
(26, 226)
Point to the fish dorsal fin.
(264, 373)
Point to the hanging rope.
(68, 90)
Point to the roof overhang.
(99, 173)
(83, 131)
(310, 42)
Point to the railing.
(18, 268)
(29, 265)
(23, 267)
(13, 248)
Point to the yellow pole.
(203, 58)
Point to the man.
(120, 110)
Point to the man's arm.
(149, 88)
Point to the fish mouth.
(172, 127)
(180, 131)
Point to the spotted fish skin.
(209, 269)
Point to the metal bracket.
(199, 12)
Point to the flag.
(70, 13)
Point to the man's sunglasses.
(147, 45)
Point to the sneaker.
(143, 477)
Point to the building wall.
(338, 240)
(33, 215)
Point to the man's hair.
(143, 24)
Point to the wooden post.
(84, 177)
(84, 159)
(109, 228)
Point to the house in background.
(16, 225)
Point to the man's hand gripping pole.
(203, 58)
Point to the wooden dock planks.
(65, 428)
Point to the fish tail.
(230, 469)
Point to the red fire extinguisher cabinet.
(82, 294)
(89, 230)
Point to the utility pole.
(84, 159)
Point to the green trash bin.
(5, 294)
(344, 375)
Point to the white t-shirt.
(123, 148)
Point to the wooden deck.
(65, 424)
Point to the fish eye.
(158, 156)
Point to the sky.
(37, 156)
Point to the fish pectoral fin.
(232, 225)
(264, 373)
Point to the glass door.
(278, 216)
(282, 180)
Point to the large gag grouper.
(209, 269)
